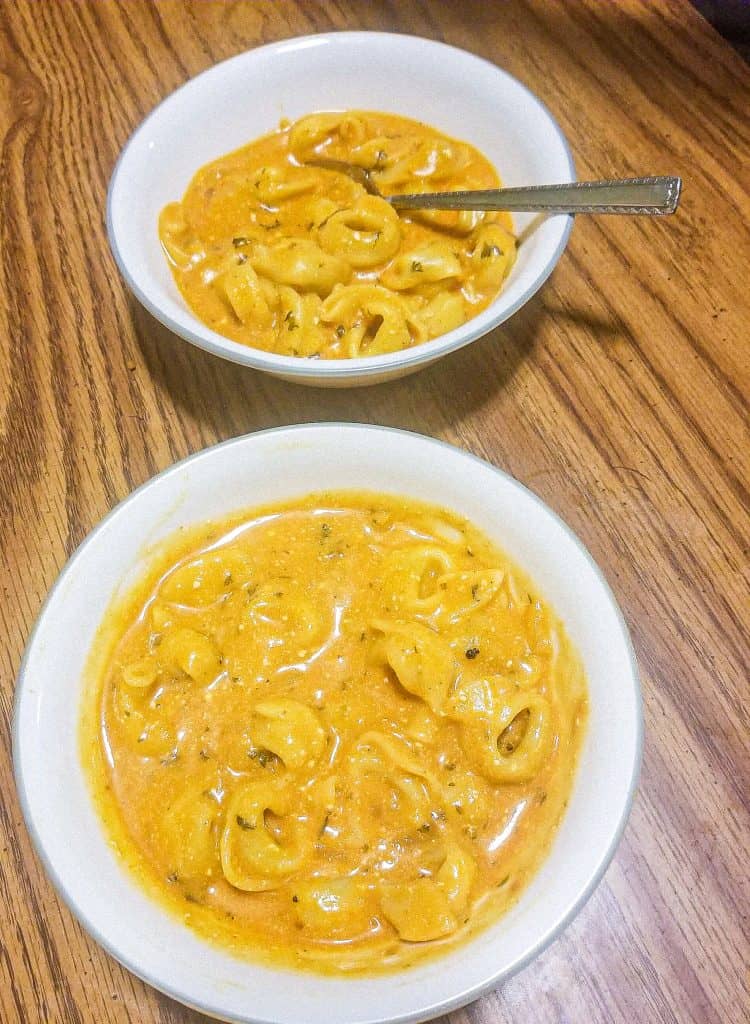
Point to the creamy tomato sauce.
(337, 733)
(279, 254)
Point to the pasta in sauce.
(301, 261)
(337, 733)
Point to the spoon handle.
(630, 195)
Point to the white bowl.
(275, 465)
(245, 97)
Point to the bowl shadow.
(226, 400)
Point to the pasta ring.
(365, 235)
(364, 308)
(251, 858)
(481, 739)
(318, 130)
(290, 730)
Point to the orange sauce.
(337, 733)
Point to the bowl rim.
(217, 344)
(425, 1012)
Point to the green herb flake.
(239, 241)
(262, 756)
(416, 266)
(244, 823)
(472, 652)
(490, 251)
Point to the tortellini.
(443, 313)
(189, 832)
(366, 234)
(411, 582)
(142, 731)
(276, 184)
(430, 262)
(301, 264)
(253, 858)
(300, 312)
(316, 132)
(490, 256)
(192, 652)
(245, 294)
(418, 910)
(290, 730)
(428, 908)
(277, 252)
(372, 321)
(425, 583)
(141, 674)
(334, 907)
(423, 662)
(175, 235)
(507, 732)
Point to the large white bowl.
(275, 465)
(245, 97)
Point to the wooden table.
(616, 394)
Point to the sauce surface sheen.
(337, 733)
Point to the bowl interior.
(245, 97)
(269, 466)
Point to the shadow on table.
(172, 1012)
(227, 400)
(606, 328)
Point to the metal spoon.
(659, 195)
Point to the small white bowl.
(245, 97)
(276, 465)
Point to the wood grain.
(618, 394)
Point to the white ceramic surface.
(274, 465)
(245, 97)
